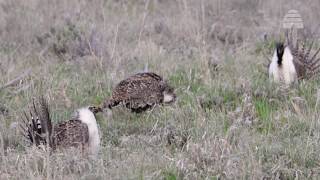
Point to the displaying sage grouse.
(81, 131)
(294, 61)
(141, 92)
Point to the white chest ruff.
(87, 117)
(286, 73)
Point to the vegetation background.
(228, 121)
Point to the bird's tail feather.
(36, 125)
(307, 57)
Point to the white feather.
(87, 117)
(286, 72)
(167, 98)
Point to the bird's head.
(168, 95)
(95, 109)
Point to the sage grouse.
(291, 63)
(141, 92)
(81, 131)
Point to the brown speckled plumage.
(38, 129)
(140, 92)
(71, 133)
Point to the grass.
(228, 122)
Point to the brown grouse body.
(141, 92)
(38, 128)
(68, 134)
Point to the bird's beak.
(98, 109)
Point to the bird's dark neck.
(279, 60)
(280, 51)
